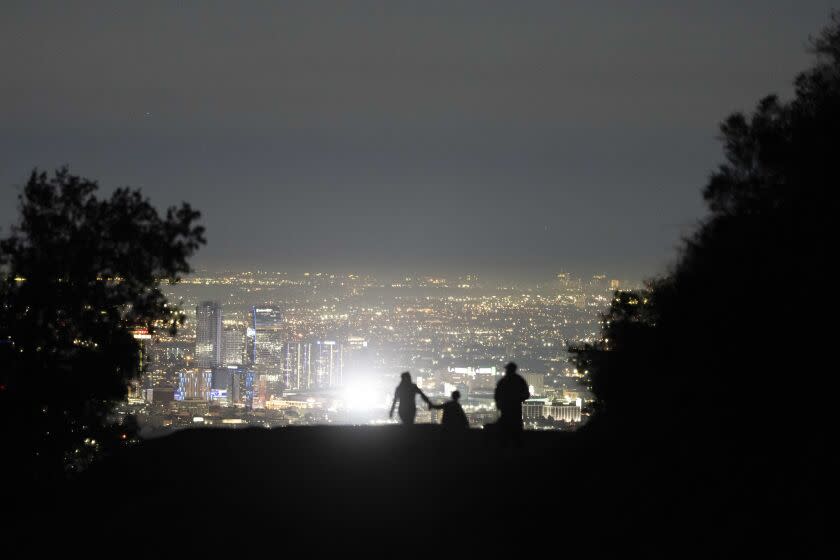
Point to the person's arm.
(393, 404)
(435, 406)
(423, 396)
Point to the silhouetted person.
(405, 393)
(511, 392)
(453, 418)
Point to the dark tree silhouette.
(735, 342)
(735, 338)
(79, 273)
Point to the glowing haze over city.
(275, 349)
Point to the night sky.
(501, 137)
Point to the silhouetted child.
(454, 417)
(405, 393)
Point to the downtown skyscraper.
(297, 366)
(208, 334)
(266, 338)
(313, 365)
(329, 364)
(233, 345)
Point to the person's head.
(510, 367)
(405, 377)
(456, 395)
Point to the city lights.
(281, 349)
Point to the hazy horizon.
(526, 277)
(504, 139)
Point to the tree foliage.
(79, 273)
(736, 337)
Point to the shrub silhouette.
(735, 340)
(79, 273)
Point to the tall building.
(308, 365)
(233, 345)
(208, 334)
(240, 386)
(297, 366)
(329, 364)
(194, 384)
(266, 331)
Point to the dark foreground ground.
(351, 488)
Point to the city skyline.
(278, 349)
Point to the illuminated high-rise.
(329, 364)
(208, 334)
(297, 366)
(240, 386)
(266, 345)
(233, 345)
(194, 384)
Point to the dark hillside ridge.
(560, 490)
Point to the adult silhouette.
(511, 392)
(405, 393)
(453, 415)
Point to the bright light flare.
(362, 396)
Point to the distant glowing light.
(361, 396)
